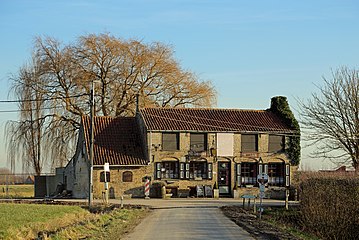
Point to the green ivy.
(280, 106)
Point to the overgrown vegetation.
(287, 220)
(328, 210)
(329, 206)
(276, 223)
(28, 221)
(280, 106)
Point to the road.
(194, 222)
(197, 219)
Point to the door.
(224, 178)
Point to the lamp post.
(91, 154)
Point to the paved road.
(187, 219)
(196, 202)
(194, 222)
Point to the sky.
(250, 50)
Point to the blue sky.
(250, 50)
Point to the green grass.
(17, 218)
(26, 221)
(17, 191)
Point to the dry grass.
(24, 221)
(113, 225)
(329, 205)
(17, 191)
(27, 221)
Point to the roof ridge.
(114, 117)
(216, 109)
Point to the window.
(249, 173)
(167, 170)
(198, 170)
(276, 143)
(127, 176)
(102, 176)
(170, 141)
(249, 142)
(276, 174)
(198, 142)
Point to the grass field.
(26, 221)
(17, 191)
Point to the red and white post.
(147, 188)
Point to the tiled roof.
(213, 120)
(117, 141)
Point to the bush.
(330, 207)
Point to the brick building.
(182, 148)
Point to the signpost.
(106, 168)
(262, 179)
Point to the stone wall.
(179, 187)
(181, 155)
(117, 187)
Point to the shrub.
(329, 206)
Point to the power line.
(42, 99)
(29, 110)
(26, 110)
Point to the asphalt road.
(191, 222)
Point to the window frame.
(196, 142)
(249, 150)
(166, 167)
(195, 166)
(102, 176)
(273, 145)
(249, 170)
(276, 174)
(123, 176)
(167, 145)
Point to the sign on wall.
(225, 142)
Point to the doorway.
(224, 178)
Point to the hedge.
(330, 207)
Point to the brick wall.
(117, 187)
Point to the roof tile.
(117, 141)
(213, 120)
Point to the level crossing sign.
(262, 178)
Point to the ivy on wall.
(280, 106)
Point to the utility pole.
(91, 154)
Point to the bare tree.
(59, 79)
(331, 118)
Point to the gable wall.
(117, 187)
